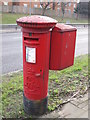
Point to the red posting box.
(63, 38)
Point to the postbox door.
(63, 47)
(68, 49)
(33, 67)
(36, 66)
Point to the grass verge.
(9, 18)
(71, 20)
(62, 85)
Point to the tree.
(46, 6)
(53, 6)
(76, 10)
(63, 7)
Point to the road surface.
(12, 49)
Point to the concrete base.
(37, 107)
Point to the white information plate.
(31, 55)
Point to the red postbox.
(36, 53)
(63, 39)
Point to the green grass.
(62, 85)
(9, 18)
(71, 20)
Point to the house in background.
(69, 9)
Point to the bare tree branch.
(46, 4)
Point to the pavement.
(10, 31)
(6, 28)
(76, 108)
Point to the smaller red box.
(63, 38)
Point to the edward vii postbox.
(36, 53)
(63, 40)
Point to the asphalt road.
(12, 49)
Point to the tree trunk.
(43, 11)
(53, 5)
(62, 17)
(77, 16)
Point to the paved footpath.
(77, 108)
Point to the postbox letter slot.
(31, 39)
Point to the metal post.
(30, 7)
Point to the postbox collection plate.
(31, 55)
